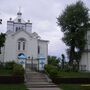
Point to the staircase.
(37, 80)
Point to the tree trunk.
(72, 52)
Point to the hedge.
(59, 80)
(11, 79)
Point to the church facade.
(22, 45)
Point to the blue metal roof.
(22, 56)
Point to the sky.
(42, 14)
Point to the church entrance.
(31, 64)
(21, 59)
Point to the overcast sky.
(42, 14)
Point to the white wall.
(43, 49)
(9, 25)
(11, 51)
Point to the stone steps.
(41, 86)
(37, 80)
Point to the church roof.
(43, 40)
(32, 35)
(22, 31)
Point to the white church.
(26, 47)
(22, 45)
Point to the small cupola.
(19, 13)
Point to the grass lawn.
(74, 74)
(75, 86)
(12, 87)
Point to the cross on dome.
(19, 12)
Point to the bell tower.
(19, 24)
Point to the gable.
(22, 33)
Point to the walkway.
(39, 81)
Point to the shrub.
(52, 71)
(18, 70)
(9, 65)
(1, 65)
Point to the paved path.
(38, 81)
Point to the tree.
(53, 60)
(74, 24)
(2, 40)
(63, 60)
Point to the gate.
(31, 65)
(35, 64)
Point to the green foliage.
(13, 87)
(73, 74)
(72, 87)
(1, 65)
(51, 70)
(2, 40)
(11, 68)
(18, 70)
(52, 60)
(9, 65)
(74, 24)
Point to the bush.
(18, 70)
(9, 65)
(1, 65)
(52, 71)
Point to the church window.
(19, 28)
(23, 45)
(19, 20)
(16, 28)
(19, 44)
(38, 49)
(83, 67)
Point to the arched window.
(38, 49)
(16, 28)
(21, 44)
(19, 20)
(24, 45)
